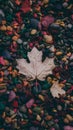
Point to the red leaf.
(25, 6)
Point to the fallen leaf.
(36, 69)
(56, 90)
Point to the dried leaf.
(56, 90)
(36, 69)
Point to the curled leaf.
(56, 90)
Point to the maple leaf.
(36, 69)
(56, 90)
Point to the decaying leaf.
(36, 69)
(56, 90)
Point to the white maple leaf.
(36, 69)
(56, 90)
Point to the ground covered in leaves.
(34, 101)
